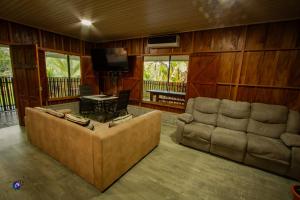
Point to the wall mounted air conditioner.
(163, 41)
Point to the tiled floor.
(8, 118)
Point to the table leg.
(151, 96)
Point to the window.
(5, 64)
(63, 73)
(165, 77)
(7, 100)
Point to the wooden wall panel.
(13, 33)
(43, 77)
(89, 77)
(23, 34)
(227, 65)
(203, 68)
(248, 63)
(256, 36)
(4, 32)
(294, 74)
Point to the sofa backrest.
(205, 110)
(233, 115)
(268, 120)
(293, 123)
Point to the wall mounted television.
(110, 59)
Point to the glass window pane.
(178, 70)
(5, 64)
(75, 66)
(56, 65)
(156, 70)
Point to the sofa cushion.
(232, 123)
(235, 109)
(198, 131)
(235, 140)
(186, 117)
(291, 140)
(77, 119)
(293, 123)
(269, 113)
(206, 105)
(65, 111)
(265, 129)
(268, 148)
(55, 113)
(41, 109)
(120, 120)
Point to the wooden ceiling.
(120, 19)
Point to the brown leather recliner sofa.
(100, 156)
(261, 135)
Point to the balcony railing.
(164, 86)
(7, 99)
(60, 87)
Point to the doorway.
(8, 115)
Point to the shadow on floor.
(8, 118)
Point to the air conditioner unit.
(163, 41)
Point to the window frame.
(68, 55)
(169, 63)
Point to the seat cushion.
(235, 140)
(268, 148)
(198, 131)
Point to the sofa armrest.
(186, 118)
(291, 140)
(294, 171)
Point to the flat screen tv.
(110, 59)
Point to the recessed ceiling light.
(86, 22)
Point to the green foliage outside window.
(57, 65)
(157, 70)
(5, 64)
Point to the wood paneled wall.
(13, 33)
(256, 63)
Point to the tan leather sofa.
(100, 156)
(261, 135)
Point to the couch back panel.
(265, 129)
(67, 142)
(268, 120)
(123, 146)
(233, 115)
(205, 110)
(274, 114)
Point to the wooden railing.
(163, 85)
(7, 99)
(60, 87)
